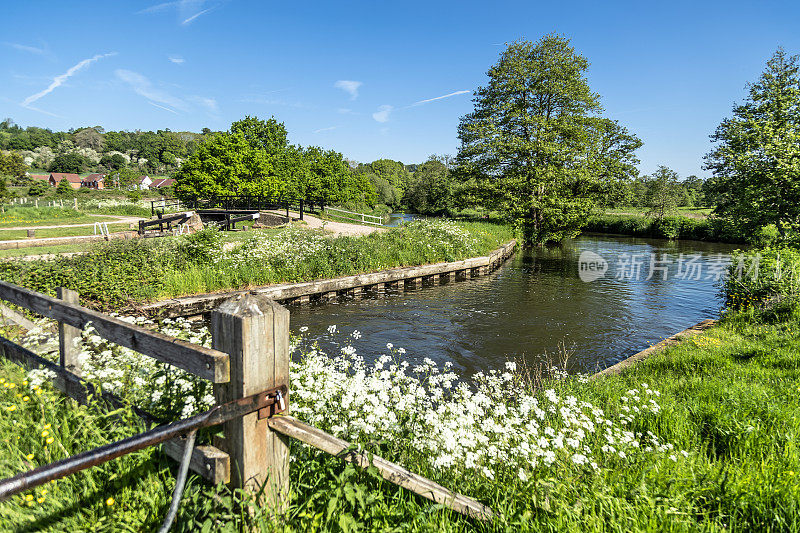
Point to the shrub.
(762, 275)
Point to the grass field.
(708, 444)
(123, 272)
(8, 235)
(691, 212)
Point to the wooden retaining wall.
(408, 278)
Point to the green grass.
(670, 227)
(8, 235)
(729, 397)
(123, 272)
(691, 212)
(45, 250)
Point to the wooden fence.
(250, 355)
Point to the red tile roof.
(43, 177)
(72, 178)
(94, 177)
(166, 182)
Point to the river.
(535, 303)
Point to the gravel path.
(337, 228)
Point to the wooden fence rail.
(250, 335)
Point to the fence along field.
(249, 367)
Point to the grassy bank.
(699, 437)
(122, 272)
(672, 227)
(9, 235)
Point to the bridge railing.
(352, 216)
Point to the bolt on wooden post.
(254, 331)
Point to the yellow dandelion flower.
(29, 457)
(2, 380)
(110, 502)
(38, 392)
(44, 491)
(47, 426)
(25, 383)
(26, 398)
(29, 497)
(11, 408)
(45, 433)
(40, 500)
(49, 440)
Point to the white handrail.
(102, 226)
(373, 219)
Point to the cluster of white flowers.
(287, 249)
(108, 203)
(154, 386)
(489, 424)
(438, 233)
(492, 422)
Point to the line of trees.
(94, 149)
(255, 157)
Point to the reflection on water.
(535, 302)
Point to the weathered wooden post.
(31, 233)
(254, 331)
(68, 352)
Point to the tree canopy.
(255, 157)
(756, 159)
(535, 147)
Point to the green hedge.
(674, 227)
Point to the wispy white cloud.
(158, 7)
(330, 128)
(163, 107)
(187, 10)
(191, 19)
(345, 111)
(30, 49)
(210, 104)
(61, 78)
(438, 98)
(143, 87)
(382, 114)
(178, 60)
(349, 86)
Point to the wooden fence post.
(254, 331)
(68, 352)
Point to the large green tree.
(528, 143)
(612, 154)
(254, 157)
(431, 187)
(12, 164)
(664, 193)
(756, 159)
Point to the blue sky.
(363, 78)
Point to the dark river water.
(536, 302)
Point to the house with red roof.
(94, 181)
(39, 177)
(73, 179)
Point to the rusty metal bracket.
(267, 403)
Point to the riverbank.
(128, 273)
(697, 437)
(671, 227)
